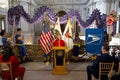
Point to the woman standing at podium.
(59, 42)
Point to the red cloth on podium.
(60, 43)
(16, 69)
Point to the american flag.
(46, 38)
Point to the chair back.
(6, 68)
(105, 69)
(119, 69)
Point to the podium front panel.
(59, 57)
(59, 61)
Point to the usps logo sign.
(94, 40)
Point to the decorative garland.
(18, 11)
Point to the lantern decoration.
(114, 14)
(111, 22)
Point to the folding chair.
(119, 69)
(105, 69)
(6, 70)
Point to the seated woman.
(17, 71)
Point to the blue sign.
(94, 40)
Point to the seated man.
(76, 47)
(116, 77)
(105, 57)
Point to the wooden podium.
(59, 61)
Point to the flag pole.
(69, 36)
(68, 62)
(46, 22)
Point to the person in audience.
(116, 77)
(19, 41)
(6, 41)
(118, 53)
(114, 52)
(76, 47)
(105, 57)
(8, 56)
(106, 38)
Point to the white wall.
(28, 29)
(3, 12)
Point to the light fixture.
(29, 42)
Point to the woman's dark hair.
(18, 29)
(7, 52)
(2, 32)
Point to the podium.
(59, 61)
